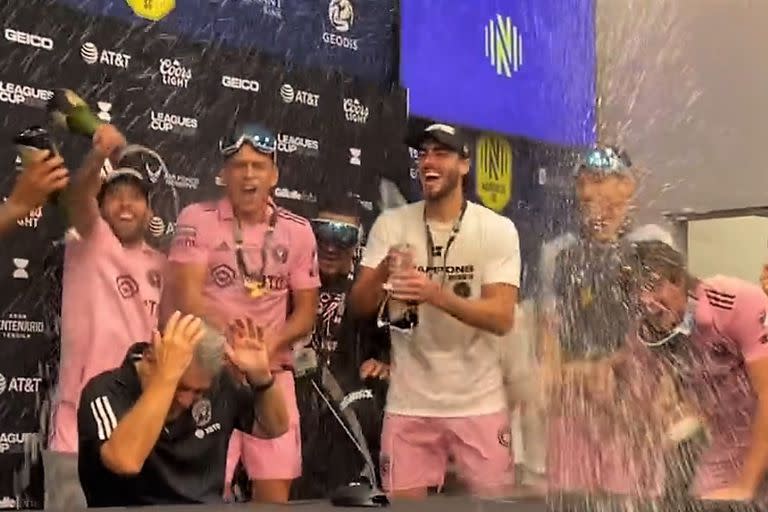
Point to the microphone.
(356, 494)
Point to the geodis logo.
(341, 15)
(163, 122)
(174, 73)
(494, 166)
(17, 94)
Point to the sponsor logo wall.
(170, 95)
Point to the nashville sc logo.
(493, 165)
(503, 46)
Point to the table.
(467, 504)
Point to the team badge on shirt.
(201, 412)
(127, 286)
(462, 289)
(223, 275)
(153, 276)
(505, 436)
(280, 254)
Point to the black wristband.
(262, 387)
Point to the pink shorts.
(415, 451)
(579, 459)
(270, 459)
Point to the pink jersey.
(730, 332)
(109, 302)
(205, 235)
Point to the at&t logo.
(354, 111)
(20, 384)
(27, 39)
(503, 46)
(91, 55)
(290, 95)
(174, 74)
(341, 15)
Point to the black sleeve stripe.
(104, 417)
(293, 218)
(720, 300)
(721, 295)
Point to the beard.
(450, 183)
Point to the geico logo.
(20, 37)
(297, 142)
(26, 91)
(179, 181)
(240, 83)
(341, 41)
(306, 98)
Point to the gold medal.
(255, 288)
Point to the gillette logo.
(294, 143)
(34, 40)
(24, 94)
(162, 122)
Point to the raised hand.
(374, 369)
(108, 141)
(37, 181)
(247, 350)
(174, 350)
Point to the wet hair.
(126, 179)
(343, 204)
(209, 352)
(653, 256)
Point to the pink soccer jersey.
(109, 302)
(730, 332)
(205, 236)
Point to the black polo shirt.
(188, 462)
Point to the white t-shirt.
(445, 367)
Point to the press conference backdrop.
(351, 36)
(336, 134)
(524, 68)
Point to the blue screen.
(518, 67)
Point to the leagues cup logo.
(493, 166)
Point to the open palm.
(246, 348)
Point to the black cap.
(124, 175)
(445, 134)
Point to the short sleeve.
(101, 408)
(503, 255)
(190, 245)
(304, 271)
(748, 323)
(378, 244)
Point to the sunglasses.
(605, 159)
(339, 234)
(257, 136)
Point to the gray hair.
(209, 353)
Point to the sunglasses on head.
(257, 136)
(340, 234)
(605, 159)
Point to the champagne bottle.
(70, 112)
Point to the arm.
(271, 418)
(136, 434)
(33, 186)
(748, 327)
(188, 271)
(367, 291)
(494, 311)
(82, 205)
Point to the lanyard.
(253, 281)
(431, 243)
